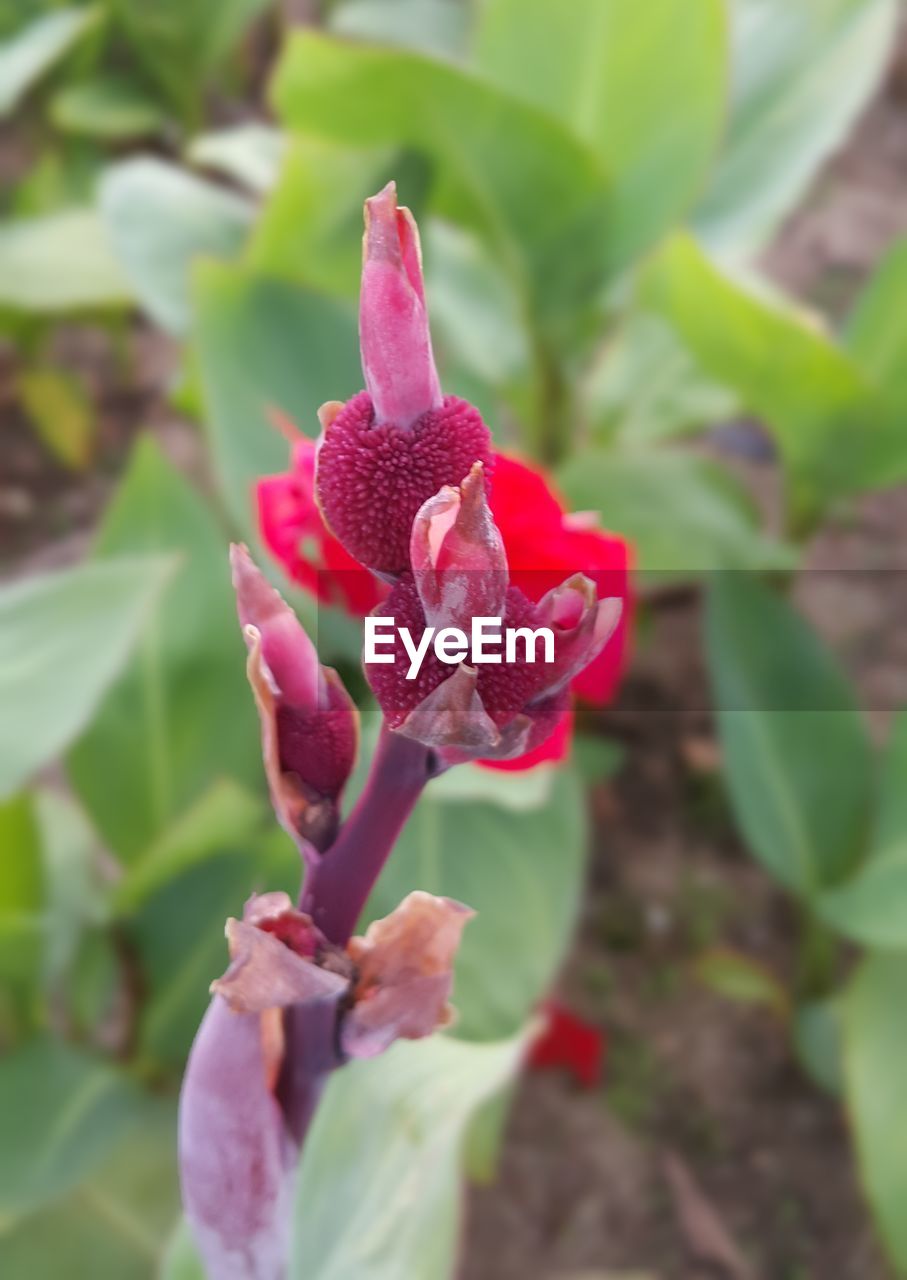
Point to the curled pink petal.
(405, 972)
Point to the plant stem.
(338, 888)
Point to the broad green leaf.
(642, 84)
(648, 388)
(109, 107)
(802, 72)
(22, 892)
(796, 756)
(440, 27)
(871, 907)
(520, 870)
(310, 229)
(877, 331)
(59, 408)
(182, 714)
(875, 1049)
(63, 1109)
(114, 1223)
(33, 50)
(811, 394)
(265, 344)
(739, 978)
(224, 816)
(160, 219)
(393, 1209)
(77, 891)
(250, 154)
(475, 317)
(64, 638)
(683, 515)
(501, 166)
(59, 262)
(177, 935)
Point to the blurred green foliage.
(593, 181)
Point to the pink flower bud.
(457, 555)
(393, 446)
(309, 723)
(394, 339)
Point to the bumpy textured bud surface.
(398, 442)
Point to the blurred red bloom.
(568, 1042)
(543, 542)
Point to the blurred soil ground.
(706, 1155)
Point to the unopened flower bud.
(457, 554)
(393, 446)
(309, 722)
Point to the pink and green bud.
(309, 723)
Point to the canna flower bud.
(457, 554)
(309, 723)
(394, 445)
(494, 709)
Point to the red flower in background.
(568, 1043)
(543, 542)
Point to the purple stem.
(338, 888)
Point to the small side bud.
(309, 723)
(457, 555)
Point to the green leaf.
(811, 394)
(520, 870)
(59, 408)
(649, 388)
(871, 907)
(33, 50)
(250, 154)
(801, 75)
(877, 330)
(264, 344)
(310, 230)
(63, 1110)
(439, 27)
(64, 638)
(224, 817)
(616, 74)
(160, 220)
(875, 1048)
(115, 1221)
(182, 714)
(796, 757)
(739, 978)
(77, 891)
(22, 892)
(181, 1260)
(59, 262)
(683, 515)
(540, 196)
(394, 1209)
(110, 107)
